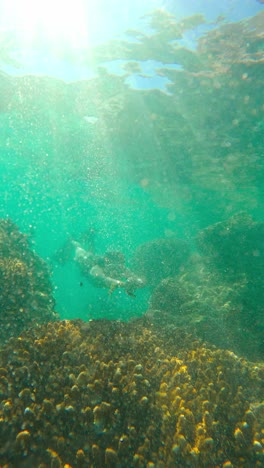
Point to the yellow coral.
(155, 398)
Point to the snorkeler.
(105, 271)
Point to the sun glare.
(58, 22)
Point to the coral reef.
(110, 394)
(199, 301)
(198, 290)
(234, 245)
(235, 249)
(25, 288)
(160, 258)
(223, 288)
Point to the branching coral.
(109, 394)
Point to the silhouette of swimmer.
(103, 271)
(107, 271)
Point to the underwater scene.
(131, 234)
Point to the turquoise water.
(160, 142)
(131, 131)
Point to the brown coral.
(104, 394)
(25, 287)
(14, 283)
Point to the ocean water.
(148, 142)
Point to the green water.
(135, 164)
(148, 148)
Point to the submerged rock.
(160, 258)
(200, 302)
(25, 288)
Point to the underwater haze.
(163, 139)
(131, 216)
